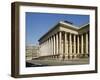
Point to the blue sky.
(38, 24)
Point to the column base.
(55, 56)
(86, 55)
(82, 55)
(70, 57)
(65, 57)
(75, 56)
(78, 55)
(61, 57)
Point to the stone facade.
(65, 41)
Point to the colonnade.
(63, 45)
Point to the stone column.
(54, 46)
(60, 46)
(87, 43)
(57, 43)
(75, 46)
(78, 45)
(70, 45)
(51, 46)
(66, 46)
(82, 44)
(50, 49)
(47, 46)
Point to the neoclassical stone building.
(65, 41)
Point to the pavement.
(56, 62)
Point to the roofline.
(83, 26)
(70, 25)
(49, 30)
(67, 24)
(73, 26)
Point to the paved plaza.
(55, 62)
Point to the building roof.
(66, 23)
